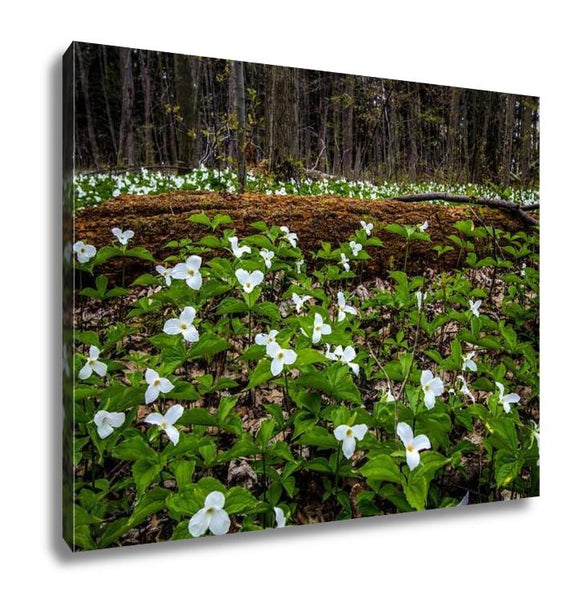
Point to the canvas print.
(291, 297)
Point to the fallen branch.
(519, 210)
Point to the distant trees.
(151, 108)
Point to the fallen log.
(518, 210)
(158, 219)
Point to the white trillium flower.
(333, 355)
(248, 280)
(523, 270)
(165, 273)
(267, 255)
(212, 516)
(474, 306)
(263, 339)
(291, 237)
(468, 362)
(412, 444)
(506, 400)
(84, 251)
(189, 271)
(344, 261)
(280, 357)
(106, 422)
(465, 389)
(300, 301)
(355, 247)
(156, 385)
(420, 298)
(432, 387)
(280, 517)
(343, 308)
(93, 365)
(347, 357)
(348, 435)
(183, 325)
(320, 328)
(299, 265)
(367, 227)
(166, 422)
(123, 236)
(239, 251)
(423, 227)
(388, 395)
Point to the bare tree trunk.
(84, 77)
(347, 126)
(147, 103)
(104, 82)
(126, 150)
(237, 115)
(508, 134)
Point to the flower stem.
(336, 477)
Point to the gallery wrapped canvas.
(291, 297)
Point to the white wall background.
(519, 557)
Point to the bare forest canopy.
(148, 108)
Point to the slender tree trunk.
(126, 150)
(84, 78)
(148, 110)
(508, 132)
(237, 115)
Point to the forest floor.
(158, 219)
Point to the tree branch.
(514, 208)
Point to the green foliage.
(265, 434)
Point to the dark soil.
(159, 219)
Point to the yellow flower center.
(410, 448)
(191, 272)
(210, 510)
(349, 433)
(427, 387)
(156, 382)
(280, 355)
(163, 425)
(183, 326)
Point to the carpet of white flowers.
(242, 384)
(91, 189)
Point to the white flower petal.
(289, 357)
(426, 377)
(280, 518)
(85, 371)
(216, 499)
(359, 431)
(172, 326)
(173, 414)
(104, 430)
(276, 366)
(348, 446)
(150, 375)
(340, 432)
(191, 334)
(165, 386)
(154, 418)
(172, 434)
(413, 459)
(151, 394)
(405, 433)
(219, 523)
(421, 442)
(100, 368)
(199, 523)
(195, 281)
(187, 315)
